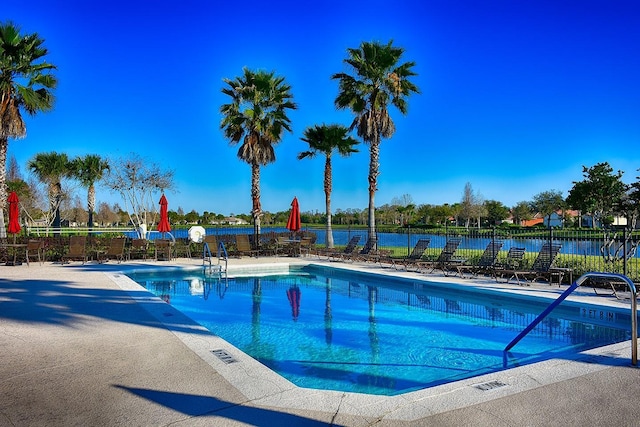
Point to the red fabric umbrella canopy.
(14, 213)
(293, 295)
(163, 225)
(293, 224)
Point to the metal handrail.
(223, 250)
(565, 294)
(221, 254)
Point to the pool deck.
(83, 345)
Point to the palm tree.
(25, 83)
(256, 117)
(88, 170)
(327, 139)
(50, 168)
(377, 81)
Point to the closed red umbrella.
(14, 214)
(163, 225)
(293, 224)
(293, 295)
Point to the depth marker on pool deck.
(491, 385)
(224, 356)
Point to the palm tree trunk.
(327, 198)
(56, 200)
(91, 204)
(255, 198)
(374, 163)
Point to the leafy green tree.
(256, 118)
(631, 204)
(26, 83)
(438, 214)
(50, 169)
(378, 81)
(327, 139)
(548, 202)
(192, 217)
(496, 211)
(600, 194)
(89, 170)
(521, 212)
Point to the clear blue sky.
(515, 96)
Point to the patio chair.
(77, 249)
(139, 249)
(243, 246)
(486, 262)
(307, 244)
(114, 251)
(414, 257)
(182, 248)
(446, 259)
(284, 245)
(513, 261)
(35, 248)
(542, 268)
(163, 250)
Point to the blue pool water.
(330, 329)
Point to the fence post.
(624, 251)
(550, 242)
(408, 239)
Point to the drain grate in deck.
(491, 385)
(224, 356)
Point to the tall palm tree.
(88, 170)
(378, 80)
(256, 117)
(26, 83)
(327, 139)
(50, 168)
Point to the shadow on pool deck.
(59, 302)
(199, 406)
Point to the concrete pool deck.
(83, 345)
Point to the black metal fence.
(581, 250)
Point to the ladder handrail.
(565, 294)
(222, 249)
(221, 254)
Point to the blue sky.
(515, 96)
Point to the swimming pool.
(326, 328)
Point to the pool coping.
(264, 387)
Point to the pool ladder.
(565, 294)
(207, 256)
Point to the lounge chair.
(210, 241)
(485, 263)
(243, 246)
(414, 257)
(367, 253)
(35, 248)
(114, 251)
(542, 268)
(446, 259)
(163, 250)
(513, 261)
(333, 253)
(77, 249)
